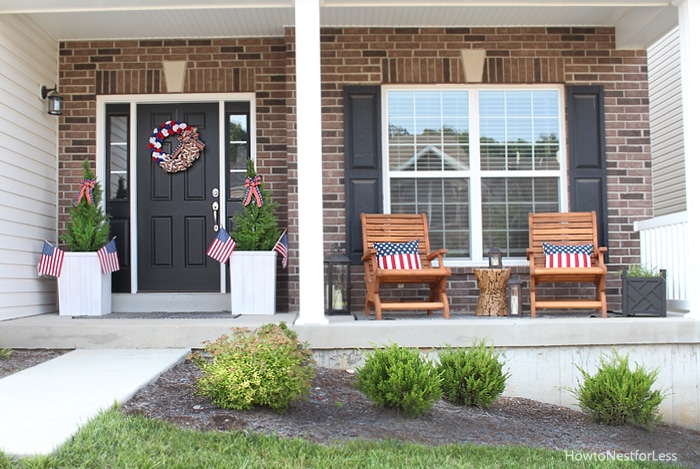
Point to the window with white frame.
(475, 192)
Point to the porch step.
(171, 302)
(128, 330)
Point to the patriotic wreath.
(186, 152)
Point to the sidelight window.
(118, 156)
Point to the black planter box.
(644, 296)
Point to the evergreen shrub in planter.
(254, 263)
(643, 291)
(82, 288)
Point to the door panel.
(175, 222)
(196, 232)
(195, 185)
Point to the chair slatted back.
(562, 228)
(396, 228)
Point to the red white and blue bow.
(86, 187)
(252, 189)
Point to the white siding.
(666, 119)
(28, 166)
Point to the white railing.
(663, 241)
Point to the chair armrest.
(368, 255)
(600, 255)
(530, 253)
(437, 253)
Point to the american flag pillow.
(567, 255)
(398, 256)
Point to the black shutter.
(587, 172)
(363, 163)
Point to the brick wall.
(91, 68)
(582, 56)
(371, 56)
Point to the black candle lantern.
(495, 257)
(515, 296)
(337, 283)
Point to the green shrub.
(5, 353)
(646, 271)
(616, 395)
(400, 378)
(472, 376)
(267, 367)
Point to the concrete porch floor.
(344, 332)
(541, 354)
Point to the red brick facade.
(370, 56)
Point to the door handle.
(215, 209)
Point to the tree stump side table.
(492, 285)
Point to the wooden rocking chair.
(573, 228)
(402, 228)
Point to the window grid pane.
(506, 203)
(238, 153)
(118, 139)
(519, 130)
(445, 203)
(428, 130)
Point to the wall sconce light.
(495, 258)
(55, 101)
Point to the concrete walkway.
(43, 406)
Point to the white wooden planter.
(82, 288)
(253, 282)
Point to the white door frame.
(134, 101)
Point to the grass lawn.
(113, 440)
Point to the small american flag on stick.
(51, 261)
(282, 248)
(222, 247)
(108, 257)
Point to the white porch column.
(307, 24)
(689, 22)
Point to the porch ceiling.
(638, 23)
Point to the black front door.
(174, 210)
